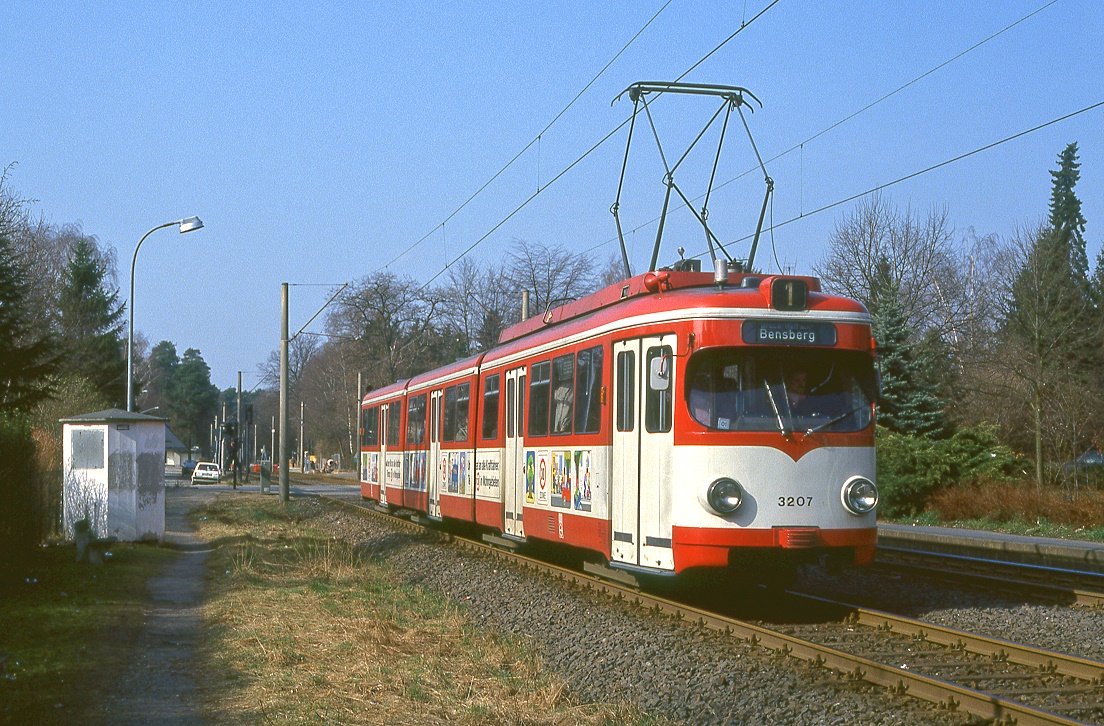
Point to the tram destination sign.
(788, 332)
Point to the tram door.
(513, 464)
(640, 486)
(434, 475)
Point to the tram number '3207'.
(795, 501)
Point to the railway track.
(1056, 584)
(1063, 686)
(984, 677)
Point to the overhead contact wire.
(572, 165)
(505, 168)
(592, 149)
(867, 107)
(535, 139)
(931, 168)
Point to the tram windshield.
(781, 389)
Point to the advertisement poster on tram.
(583, 481)
(544, 484)
(488, 477)
(562, 465)
(530, 477)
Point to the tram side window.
(657, 404)
(588, 391)
(538, 398)
(393, 411)
(369, 427)
(563, 393)
(415, 420)
(626, 390)
(490, 407)
(457, 399)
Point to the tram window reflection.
(742, 389)
(538, 398)
(588, 388)
(490, 407)
(563, 393)
(393, 424)
(415, 420)
(657, 403)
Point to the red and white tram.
(666, 423)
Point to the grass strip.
(302, 627)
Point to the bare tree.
(480, 302)
(612, 272)
(552, 275)
(463, 315)
(328, 388)
(14, 209)
(981, 393)
(301, 349)
(392, 321)
(918, 254)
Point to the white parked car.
(206, 471)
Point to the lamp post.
(186, 225)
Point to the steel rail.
(945, 694)
(1045, 660)
(1046, 582)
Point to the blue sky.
(318, 142)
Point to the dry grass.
(304, 629)
(1021, 508)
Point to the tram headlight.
(860, 495)
(724, 495)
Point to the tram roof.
(641, 294)
(686, 289)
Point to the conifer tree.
(195, 399)
(1052, 326)
(909, 401)
(91, 322)
(27, 354)
(160, 369)
(1066, 220)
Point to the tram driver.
(797, 390)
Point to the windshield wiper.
(774, 407)
(835, 420)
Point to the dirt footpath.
(160, 684)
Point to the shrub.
(976, 453)
(18, 531)
(1019, 502)
(912, 469)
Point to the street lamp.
(186, 225)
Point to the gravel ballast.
(610, 651)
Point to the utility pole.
(302, 445)
(222, 441)
(284, 494)
(355, 453)
(240, 429)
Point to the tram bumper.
(708, 547)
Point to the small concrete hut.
(114, 470)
